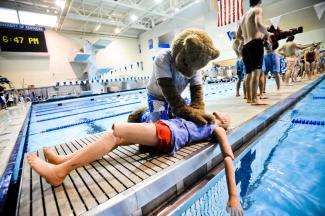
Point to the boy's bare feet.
(237, 95)
(48, 171)
(51, 156)
(259, 102)
(263, 97)
(249, 101)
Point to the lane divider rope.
(318, 97)
(73, 114)
(308, 122)
(84, 122)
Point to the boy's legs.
(139, 133)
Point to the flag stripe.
(229, 11)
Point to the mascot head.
(191, 50)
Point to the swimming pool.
(282, 173)
(58, 122)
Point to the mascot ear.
(214, 53)
(192, 43)
(195, 46)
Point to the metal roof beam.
(135, 7)
(102, 21)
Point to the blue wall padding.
(163, 45)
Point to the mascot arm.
(178, 105)
(197, 97)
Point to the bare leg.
(264, 86)
(237, 88)
(55, 174)
(313, 68)
(277, 80)
(244, 89)
(53, 158)
(254, 86)
(287, 76)
(308, 70)
(248, 87)
(262, 82)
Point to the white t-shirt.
(164, 67)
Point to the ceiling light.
(29, 18)
(97, 27)
(197, 1)
(117, 30)
(60, 3)
(8, 15)
(47, 10)
(158, 1)
(134, 17)
(176, 9)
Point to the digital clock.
(22, 39)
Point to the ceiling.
(114, 17)
(127, 18)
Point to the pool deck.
(11, 121)
(127, 182)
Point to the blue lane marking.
(84, 122)
(308, 122)
(318, 97)
(83, 104)
(76, 108)
(58, 117)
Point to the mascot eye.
(184, 62)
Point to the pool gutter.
(148, 194)
(8, 180)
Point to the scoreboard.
(22, 38)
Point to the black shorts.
(253, 53)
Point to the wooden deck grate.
(91, 185)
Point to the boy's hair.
(252, 3)
(290, 38)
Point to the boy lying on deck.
(165, 136)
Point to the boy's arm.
(259, 24)
(299, 46)
(233, 205)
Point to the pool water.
(51, 124)
(282, 173)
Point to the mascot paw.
(194, 115)
(136, 115)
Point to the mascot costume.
(173, 70)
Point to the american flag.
(229, 11)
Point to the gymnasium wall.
(43, 71)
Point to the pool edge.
(153, 190)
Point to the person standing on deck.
(252, 32)
(289, 51)
(239, 64)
